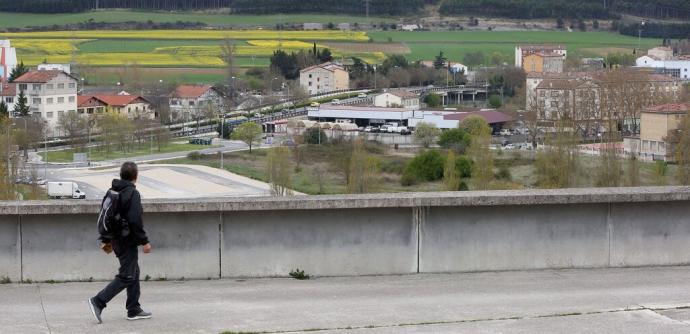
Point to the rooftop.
(40, 76)
(190, 91)
(670, 108)
(8, 89)
(119, 100)
(361, 108)
(490, 116)
(329, 66)
(402, 93)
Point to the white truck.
(65, 190)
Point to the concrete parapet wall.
(360, 235)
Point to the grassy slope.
(425, 45)
(20, 20)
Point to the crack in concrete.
(450, 322)
(45, 317)
(665, 316)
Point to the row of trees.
(527, 9)
(376, 7)
(289, 65)
(74, 6)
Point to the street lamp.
(374, 77)
(639, 35)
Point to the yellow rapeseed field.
(46, 46)
(326, 35)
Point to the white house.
(49, 94)
(410, 27)
(193, 100)
(397, 98)
(324, 78)
(8, 59)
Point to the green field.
(21, 20)
(455, 44)
(99, 154)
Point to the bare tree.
(683, 151)
(278, 171)
(483, 166)
(556, 165)
(426, 134)
(74, 127)
(363, 170)
(451, 181)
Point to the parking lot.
(166, 181)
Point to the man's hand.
(147, 248)
(107, 247)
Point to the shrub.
(408, 179)
(426, 166)
(315, 136)
(196, 155)
(463, 165)
(495, 101)
(504, 173)
(456, 139)
(433, 100)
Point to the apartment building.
(324, 78)
(657, 125)
(524, 50)
(49, 94)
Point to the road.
(159, 181)
(632, 300)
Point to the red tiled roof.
(119, 100)
(8, 89)
(39, 76)
(88, 101)
(490, 116)
(670, 108)
(190, 91)
(326, 66)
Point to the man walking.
(125, 248)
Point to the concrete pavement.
(636, 300)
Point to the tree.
(660, 170)
(21, 108)
(426, 134)
(440, 61)
(683, 151)
(425, 166)
(581, 25)
(483, 162)
(163, 136)
(456, 139)
(556, 165)
(595, 24)
(227, 54)
(363, 176)
(632, 173)
(473, 59)
(249, 133)
(559, 23)
(325, 55)
(433, 100)
(451, 181)
(73, 125)
(278, 171)
(4, 111)
(18, 71)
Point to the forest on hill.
(522, 9)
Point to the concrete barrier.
(360, 235)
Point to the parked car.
(335, 100)
(368, 129)
(510, 147)
(315, 104)
(505, 132)
(65, 190)
(362, 95)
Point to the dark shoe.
(141, 315)
(95, 310)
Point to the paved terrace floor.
(640, 300)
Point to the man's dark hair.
(129, 171)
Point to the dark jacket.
(130, 209)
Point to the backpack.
(111, 224)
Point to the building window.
(645, 144)
(309, 76)
(61, 86)
(22, 87)
(71, 99)
(9, 100)
(72, 85)
(554, 104)
(36, 87)
(191, 103)
(62, 112)
(61, 100)
(36, 100)
(49, 86)
(49, 100)
(37, 114)
(49, 114)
